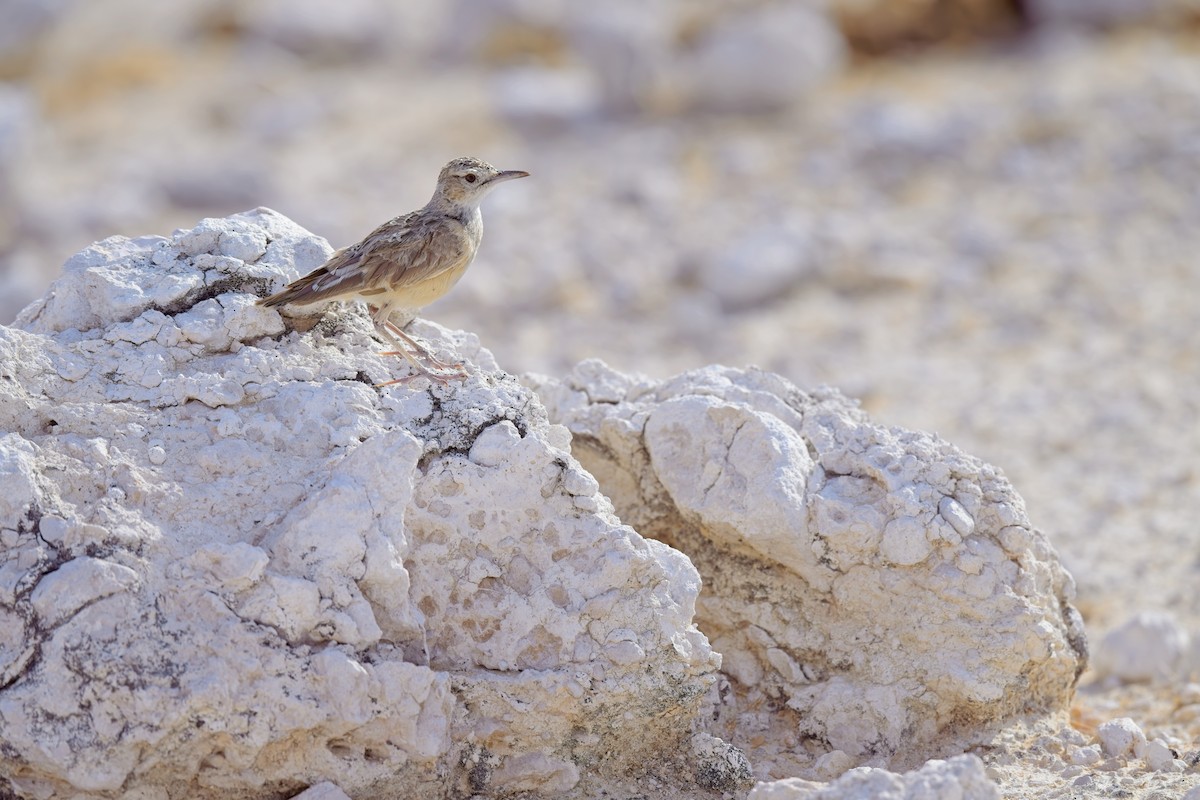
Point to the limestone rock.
(959, 778)
(232, 567)
(1121, 738)
(322, 791)
(887, 590)
(762, 59)
(1149, 646)
(761, 266)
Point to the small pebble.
(52, 528)
(1086, 756)
(1158, 756)
(1121, 737)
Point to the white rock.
(538, 96)
(493, 443)
(1121, 738)
(953, 512)
(760, 266)
(53, 529)
(958, 778)
(812, 529)
(832, 765)
(1158, 756)
(76, 584)
(236, 566)
(1150, 646)
(322, 791)
(905, 541)
(734, 450)
(18, 491)
(536, 772)
(296, 564)
(762, 58)
(1086, 756)
(292, 606)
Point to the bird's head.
(464, 181)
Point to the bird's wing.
(336, 277)
(415, 252)
(404, 251)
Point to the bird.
(408, 262)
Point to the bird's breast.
(421, 294)
(473, 227)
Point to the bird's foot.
(457, 367)
(408, 345)
(431, 368)
(407, 379)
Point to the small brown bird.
(410, 261)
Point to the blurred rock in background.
(879, 27)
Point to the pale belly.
(413, 298)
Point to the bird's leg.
(423, 351)
(394, 334)
(422, 370)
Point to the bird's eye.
(470, 177)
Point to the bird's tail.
(278, 299)
(299, 291)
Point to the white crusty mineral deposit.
(231, 567)
(880, 588)
(959, 778)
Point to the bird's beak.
(508, 175)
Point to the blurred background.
(979, 216)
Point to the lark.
(408, 262)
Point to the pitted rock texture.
(880, 588)
(958, 778)
(232, 567)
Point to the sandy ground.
(996, 245)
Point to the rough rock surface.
(232, 567)
(1150, 646)
(883, 591)
(959, 778)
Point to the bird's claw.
(457, 371)
(459, 367)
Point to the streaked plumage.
(410, 261)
